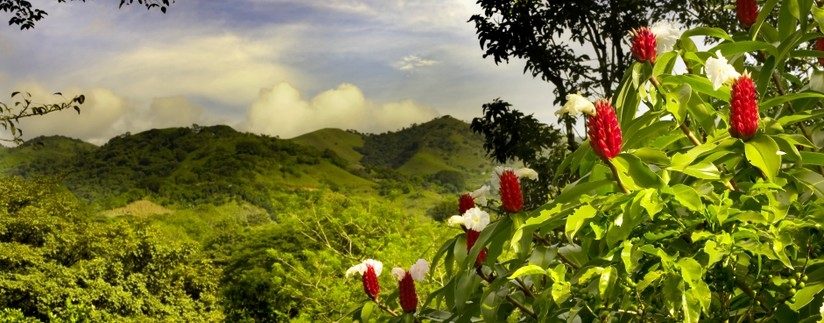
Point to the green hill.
(344, 144)
(42, 155)
(185, 167)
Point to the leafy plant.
(708, 206)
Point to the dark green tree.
(511, 136)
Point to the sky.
(275, 67)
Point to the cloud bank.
(281, 111)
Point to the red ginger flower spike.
(471, 238)
(643, 45)
(743, 108)
(746, 11)
(465, 202)
(406, 286)
(370, 270)
(604, 131)
(511, 198)
(819, 45)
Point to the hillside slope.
(412, 167)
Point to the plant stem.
(617, 178)
(384, 307)
(509, 298)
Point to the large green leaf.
(688, 197)
(528, 270)
(781, 99)
(576, 220)
(805, 296)
(762, 152)
(634, 172)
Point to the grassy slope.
(342, 143)
(41, 155)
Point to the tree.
(25, 15)
(512, 136)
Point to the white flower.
(473, 219)
(361, 267)
(575, 105)
(419, 269)
(480, 195)
(399, 273)
(719, 71)
(527, 172)
(780, 153)
(666, 35)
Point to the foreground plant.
(699, 199)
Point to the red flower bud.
(746, 11)
(743, 108)
(643, 45)
(819, 45)
(511, 197)
(471, 238)
(604, 131)
(370, 282)
(407, 294)
(465, 202)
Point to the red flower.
(743, 108)
(819, 45)
(604, 132)
(370, 282)
(746, 11)
(511, 197)
(407, 294)
(465, 202)
(471, 238)
(643, 45)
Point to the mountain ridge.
(213, 164)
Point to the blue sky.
(279, 67)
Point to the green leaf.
(649, 278)
(739, 47)
(812, 158)
(703, 170)
(688, 197)
(528, 270)
(706, 31)
(762, 152)
(576, 220)
(574, 191)
(651, 156)
(699, 84)
(811, 179)
(789, 97)
(607, 282)
(805, 295)
(635, 172)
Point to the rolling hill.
(188, 166)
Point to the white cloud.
(224, 68)
(413, 62)
(281, 111)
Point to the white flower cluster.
(666, 35)
(361, 267)
(719, 71)
(417, 271)
(575, 105)
(473, 219)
